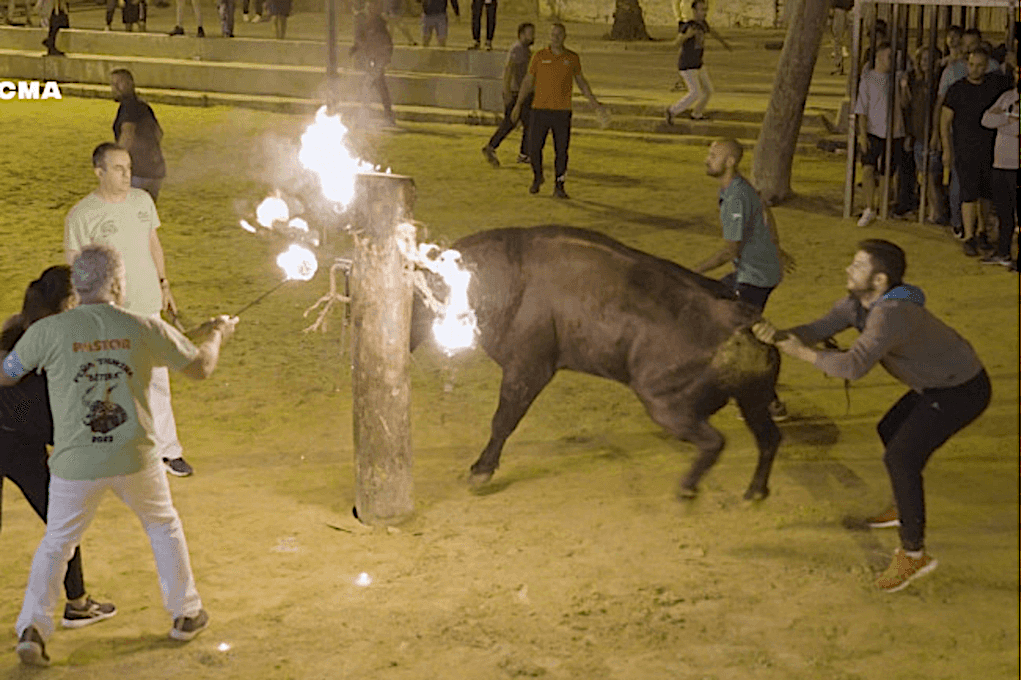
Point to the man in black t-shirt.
(691, 64)
(137, 130)
(968, 146)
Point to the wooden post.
(381, 316)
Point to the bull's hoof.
(753, 494)
(478, 479)
(686, 493)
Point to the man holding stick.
(99, 360)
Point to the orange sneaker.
(903, 569)
(889, 517)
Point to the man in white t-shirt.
(125, 218)
(99, 361)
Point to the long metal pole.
(851, 124)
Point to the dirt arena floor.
(576, 562)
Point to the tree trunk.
(773, 155)
(629, 21)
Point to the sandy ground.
(576, 562)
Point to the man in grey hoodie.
(949, 385)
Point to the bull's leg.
(520, 385)
(681, 421)
(766, 432)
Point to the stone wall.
(722, 13)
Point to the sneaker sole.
(172, 471)
(884, 525)
(82, 623)
(923, 571)
(182, 636)
(31, 654)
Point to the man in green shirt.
(99, 360)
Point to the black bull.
(549, 298)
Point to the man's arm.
(127, 136)
(525, 90)
(946, 127)
(506, 82)
(220, 329)
(727, 254)
(717, 36)
(585, 89)
(161, 271)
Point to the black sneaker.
(668, 116)
(31, 648)
(491, 157)
(559, 191)
(522, 158)
(178, 467)
(535, 187)
(92, 612)
(200, 33)
(178, 30)
(474, 46)
(958, 231)
(996, 258)
(971, 248)
(187, 627)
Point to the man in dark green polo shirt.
(751, 239)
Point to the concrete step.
(312, 54)
(695, 133)
(240, 78)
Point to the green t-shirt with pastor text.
(99, 361)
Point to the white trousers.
(165, 431)
(180, 13)
(699, 92)
(73, 505)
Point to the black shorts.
(874, 155)
(974, 170)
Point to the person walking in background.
(839, 25)
(549, 79)
(949, 387)
(125, 218)
(372, 50)
(872, 109)
(9, 16)
(435, 20)
(516, 65)
(132, 12)
(226, 11)
(257, 11)
(99, 360)
(690, 39)
(751, 238)
(968, 146)
(26, 427)
(179, 27)
(137, 131)
(1004, 118)
(492, 20)
(279, 11)
(57, 18)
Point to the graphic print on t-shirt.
(105, 378)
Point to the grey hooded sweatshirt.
(898, 332)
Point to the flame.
(248, 227)
(455, 327)
(272, 209)
(298, 223)
(325, 153)
(298, 263)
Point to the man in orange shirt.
(549, 79)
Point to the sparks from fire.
(325, 152)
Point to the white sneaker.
(866, 217)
